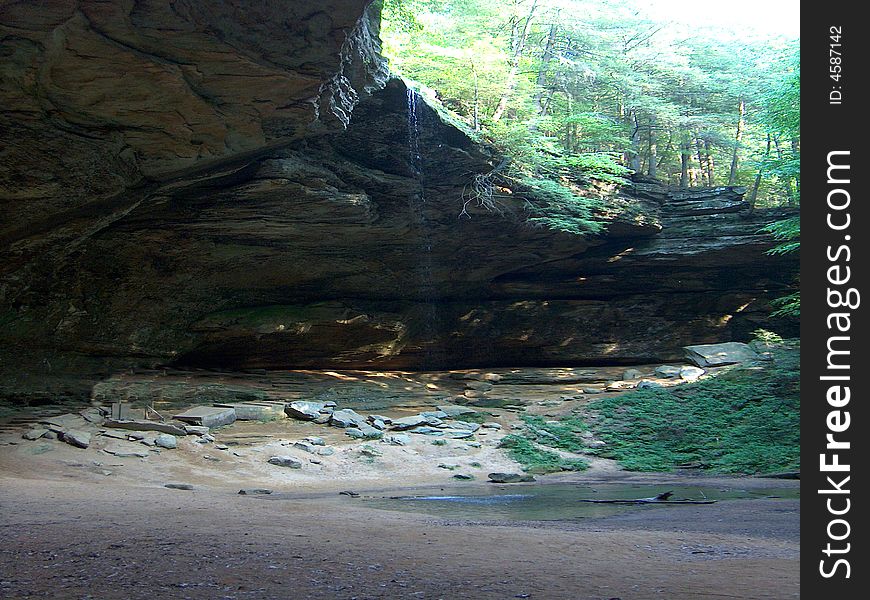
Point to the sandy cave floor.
(83, 524)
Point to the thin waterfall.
(424, 264)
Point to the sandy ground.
(81, 524)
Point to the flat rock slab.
(140, 425)
(178, 486)
(714, 355)
(165, 440)
(254, 492)
(257, 411)
(208, 416)
(408, 422)
(286, 461)
(77, 438)
(67, 421)
(126, 450)
(455, 410)
(34, 434)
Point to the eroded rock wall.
(242, 194)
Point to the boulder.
(165, 440)
(304, 410)
(306, 447)
(716, 355)
(317, 441)
(691, 373)
(648, 385)
(347, 418)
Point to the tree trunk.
(652, 149)
(741, 113)
(700, 156)
(684, 163)
(753, 196)
(476, 108)
(569, 138)
(519, 45)
(546, 57)
(789, 192)
(708, 156)
(634, 163)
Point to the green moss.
(746, 420)
(537, 460)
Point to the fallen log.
(663, 498)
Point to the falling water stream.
(424, 259)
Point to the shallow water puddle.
(559, 502)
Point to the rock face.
(232, 185)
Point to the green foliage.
(768, 338)
(536, 460)
(746, 420)
(561, 434)
(787, 232)
(553, 205)
(598, 89)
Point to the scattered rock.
(668, 371)
(691, 373)
(378, 424)
(592, 391)
(364, 432)
(326, 451)
(347, 418)
(306, 447)
(195, 430)
(77, 438)
(314, 460)
(478, 386)
(349, 493)
(491, 425)
(257, 411)
(35, 434)
(425, 430)
(434, 414)
(221, 447)
(398, 439)
(385, 420)
(207, 416)
(164, 440)
(306, 411)
(49, 435)
(254, 491)
(475, 444)
(714, 355)
(370, 452)
(458, 434)
(126, 450)
(646, 384)
(463, 477)
(286, 461)
(323, 419)
(615, 386)
(463, 425)
(317, 441)
(404, 423)
(510, 477)
(448, 467)
(631, 374)
(178, 486)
